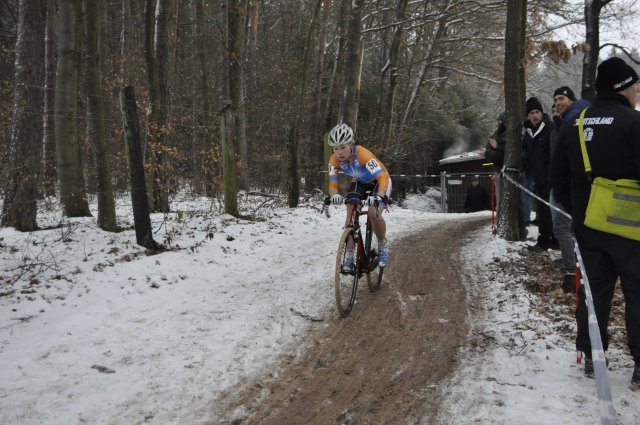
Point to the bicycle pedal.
(347, 271)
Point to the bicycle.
(365, 258)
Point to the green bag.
(614, 205)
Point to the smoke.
(459, 146)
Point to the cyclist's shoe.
(383, 253)
(348, 266)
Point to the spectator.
(613, 128)
(494, 152)
(567, 108)
(537, 129)
(477, 198)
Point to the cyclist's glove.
(336, 199)
(381, 201)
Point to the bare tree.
(205, 116)
(95, 99)
(316, 154)
(125, 43)
(68, 153)
(293, 182)
(337, 72)
(235, 26)
(238, 97)
(50, 175)
(432, 44)
(21, 193)
(157, 16)
(514, 81)
(592, 9)
(353, 66)
(391, 68)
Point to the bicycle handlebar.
(369, 201)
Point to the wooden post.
(131, 126)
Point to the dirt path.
(383, 363)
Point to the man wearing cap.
(537, 129)
(613, 147)
(567, 108)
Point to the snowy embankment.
(517, 368)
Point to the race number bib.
(373, 166)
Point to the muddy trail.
(382, 364)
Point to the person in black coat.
(477, 198)
(494, 152)
(567, 108)
(536, 144)
(612, 139)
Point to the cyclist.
(368, 175)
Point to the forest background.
(240, 94)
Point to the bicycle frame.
(366, 261)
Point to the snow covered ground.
(92, 330)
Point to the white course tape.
(603, 386)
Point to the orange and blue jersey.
(364, 168)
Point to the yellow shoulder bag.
(614, 205)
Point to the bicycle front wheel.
(346, 284)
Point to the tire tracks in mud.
(385, 362)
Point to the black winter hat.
(565, 91)
(615, 75)
(533, 103)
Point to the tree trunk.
(353, 67)
(69, 159)
(131, 127)
(293, 182)
(106, 203)
(253, 13)
(388, 109)
(205, 153)
(25, 154)
(316, 155)
(230, 111)
(50, 174)
(149, 147)
(227, 130)
(159, 106)
(236, 12)
(514, 93)
(592, 9)
(125, 43)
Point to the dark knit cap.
(565, 91)
(532, 104)
(615, 75)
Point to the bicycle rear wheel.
(346, 283)
(375, 281)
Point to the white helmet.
(341, 134)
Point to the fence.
(452, 186)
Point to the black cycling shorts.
(359, 190)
